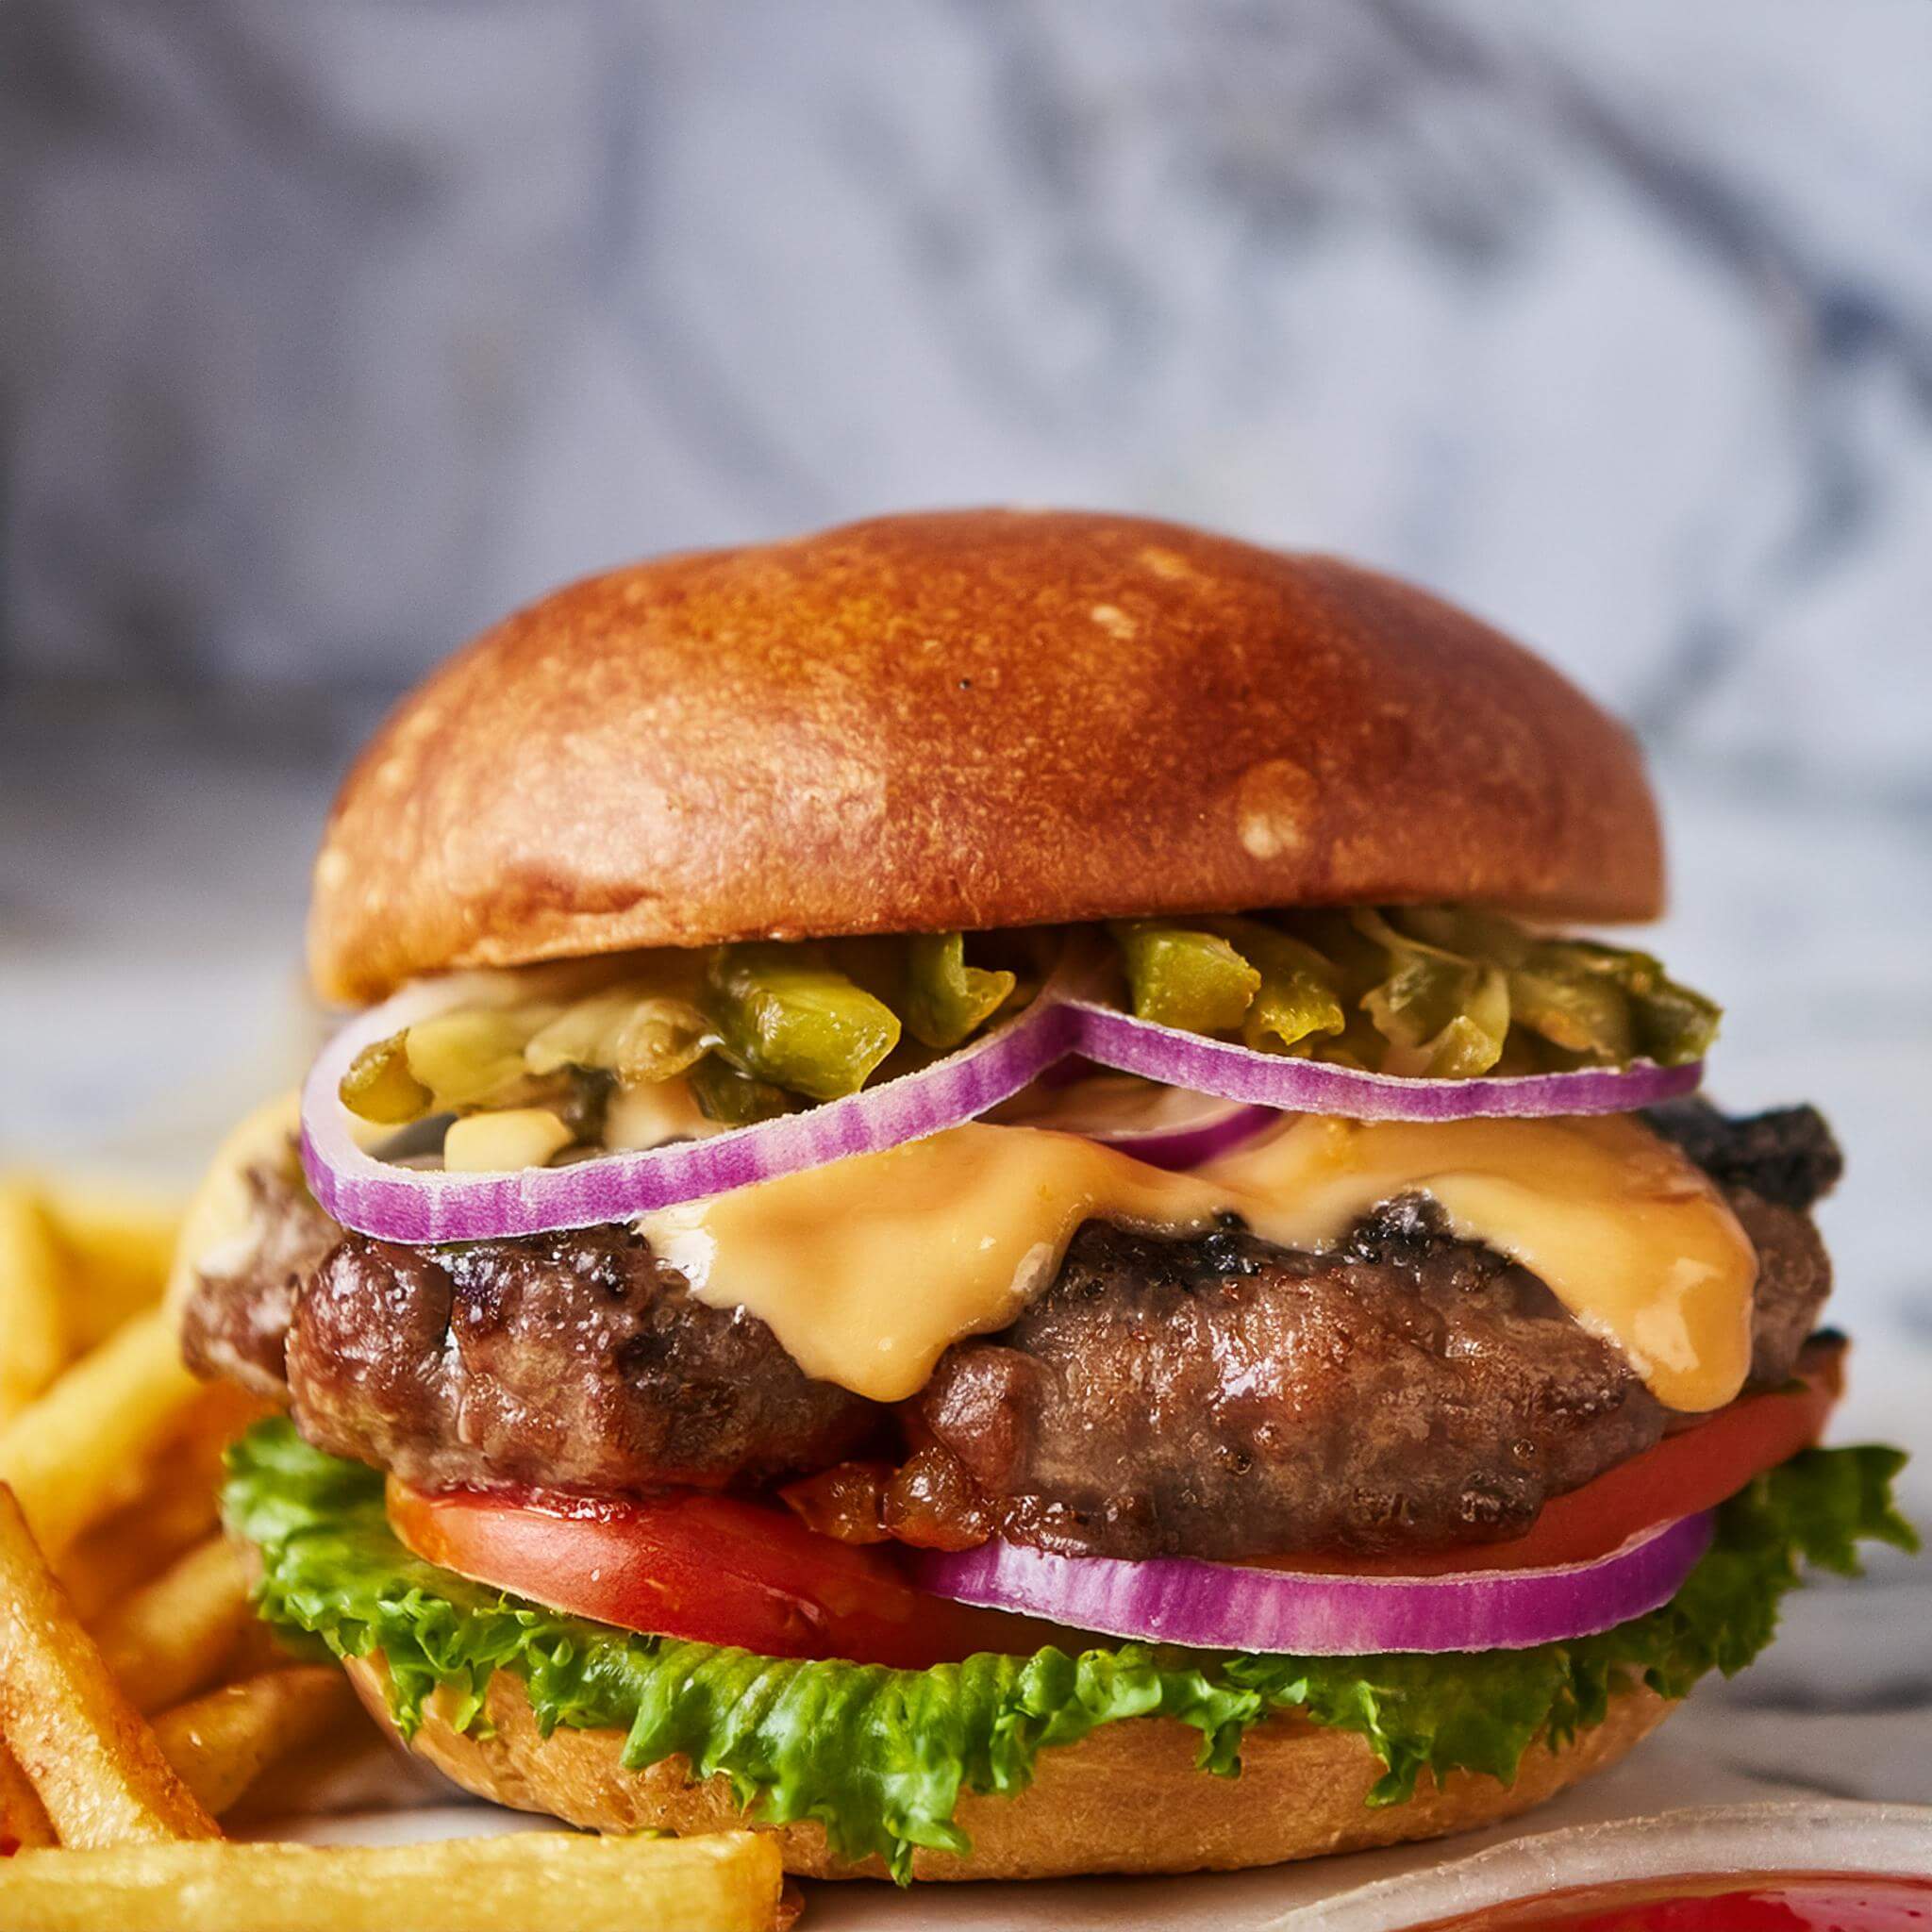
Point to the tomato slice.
(724, 1569)
(714, 1569)
(1695, 1469)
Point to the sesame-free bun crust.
(1127, 1798)
(969, 718)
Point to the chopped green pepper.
(734, 1099)
(1184, 977)
(475, 1057)
(1608, 1004)
(784, 1016)
(1581, 1012)
(1446, 991)
(379, 1086)
(1464, 930)
(631, 1031)
(1444, 1016)
(1584, 1013)
(946, 1000)
(1299, 998)
(1672, 1023)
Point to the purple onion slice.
(1113, 1039)
(1229, 1606)
(1164, 1126)
(403, 1204)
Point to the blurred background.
(332, 331)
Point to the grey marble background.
(331, 329)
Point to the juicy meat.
(576, 1361)
(237, 1325)
(1786, 1157)
(1214, 1397)
(1226, 1398)
(1794, 1278)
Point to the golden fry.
(125, 1550)
(168, 1639)
(172, 1507)
(222, 1743)
(23, 1821)
(77, 1453)
(257, 1649)
(118, 1244)
(726, 1883)
(33, 1340)
(84, 1748)
(219, 1413)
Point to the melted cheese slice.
(1627, 1234)
(867, 1270)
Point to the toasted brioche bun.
(980, 718)
(1127, 1798)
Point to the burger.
(980, 1208)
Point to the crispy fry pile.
(140, 1701)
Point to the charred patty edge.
(580, 1361)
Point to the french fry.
(77, 1453)
(167, 1518)
(23, 1821)
(222, 1743)
(219, 1413)
(171, 1508)
(729, 1882)
(118, 1244)
(84, 1748)
(257, 1649)
(33, 1339)
(169, 1638)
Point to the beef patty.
(576, 1361)
(1216, 1397)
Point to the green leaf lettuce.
(881, 1757)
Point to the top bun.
(967, 719)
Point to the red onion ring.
(412, 1205)
(1163, 1126)
(1181, 1148)
(1118, 1039)
(1226, 1607)
(401, 1204)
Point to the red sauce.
(1775, 1902)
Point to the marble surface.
(332, 332)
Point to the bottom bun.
(1126, 1798)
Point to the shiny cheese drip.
(869, 1268)
(1626, 1232)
